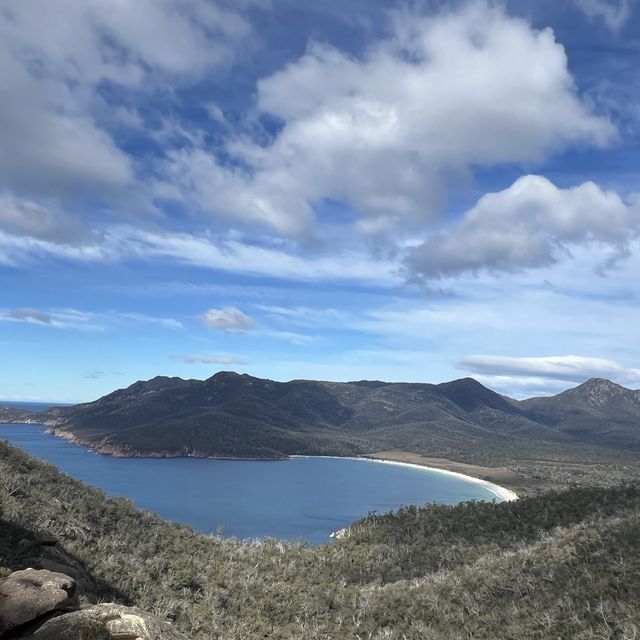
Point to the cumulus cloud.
(227, 319)
(26, 217)
(385, 132)
(50, 144)
(530, 224)
(55, 58)
(614, 13)
(569, 367)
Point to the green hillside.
(562, 565)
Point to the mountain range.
(240, 416)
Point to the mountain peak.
(462, 383)
(225, 375)
(600, 391)
(601, 382)
(470, 394)
(229, 376)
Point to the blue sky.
(337, 190)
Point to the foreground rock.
(105, 622)
(21, 548)
(43, 605)
(28, 595)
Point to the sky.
(344, 190)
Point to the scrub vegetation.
(560, 565)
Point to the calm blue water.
(30, 406)
(304, 498)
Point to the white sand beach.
(501, 492)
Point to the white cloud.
(386, 132)
(208, 359)
(569, 367)
(224, 253)
(25, 217)
(27, 314)
(307, 316)
(54, 58)
(57, 318)
(242, 257)
(299, 339)
(227, 319)
(167, 323)
(50, 144)
(83, 320)
(521, 310)
(531, 224)
(121, 41)
(614, 13)
(521, 387)
(15, 250)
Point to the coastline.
(409, 460)
(505, 495)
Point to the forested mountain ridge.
(233, 415)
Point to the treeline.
(562, 565)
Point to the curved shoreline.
(505, 495)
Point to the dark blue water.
(30, 406)
(305, 498)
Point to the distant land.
(234, 415)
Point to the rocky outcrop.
(23, 416)
(21, 548)
(30, 594)
(43, 605)
(9, 414)
(105, 622)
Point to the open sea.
(30, 406)
(300, 498)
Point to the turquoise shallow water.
(305, 498)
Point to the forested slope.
(232, 415)
(562, 565)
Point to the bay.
(300, 498)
